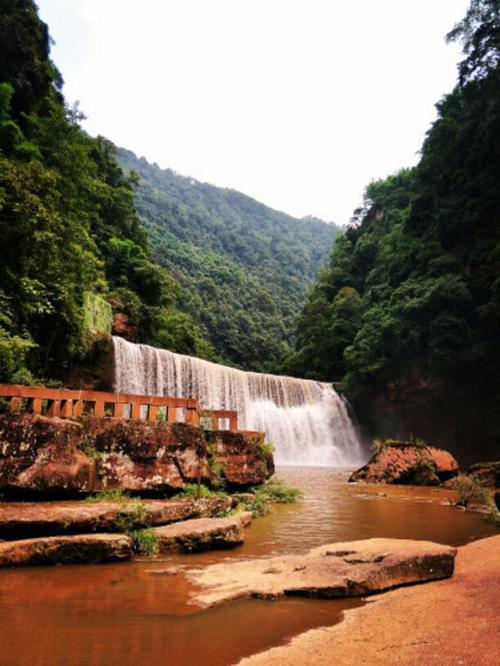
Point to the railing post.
(35, 405)
(118, 412)
(67, 408)
(54, 408)
(99, 408)
(136, 410)
(15, 405)
(172, 414)
(153, 413)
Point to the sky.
(297, 103)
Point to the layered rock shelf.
(34, 519)
(193, 536)
(44, 456)
(335, 570)
(77, 549)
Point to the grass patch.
(109, 495)
(146, 541)
(378, 445)
(274, 491)
(199, 490)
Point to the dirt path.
(454, 622)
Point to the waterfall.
(305, 420)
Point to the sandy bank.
(447, 623)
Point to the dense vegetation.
(244, 267)
(412, 294)
(71, 239)
(69, 232)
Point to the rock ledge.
(335, 570)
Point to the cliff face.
(447, 415)
(62, 457)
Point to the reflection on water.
(126, 614)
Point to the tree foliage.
(68, 224)
(414, 282)
(244, 267)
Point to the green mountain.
(407, 316)
(243, 267)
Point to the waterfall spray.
(306, 420)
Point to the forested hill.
(72, 250)
(407, 316)
(244, 267)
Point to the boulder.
(244, 461)
(407, 463)
(42, 454)
(486, 474)
(193, 536)
(34, 519)
(335, 570)
(63, 457)
(82, 548)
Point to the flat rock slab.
(34, 519)
(193, 536)
(336, 570)
(81, 548)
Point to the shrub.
(217, 479)
(471, 492)
(146, 541)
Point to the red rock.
(245, 463)
(80, 548)
(403, 463)
(486, 474)
(193, 536)
(62, 456)
(34, 519)
(335, 570)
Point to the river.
(129, 614)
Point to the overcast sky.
(298, 103)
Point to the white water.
(305, 420)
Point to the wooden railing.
(220, 419)
(71, 403)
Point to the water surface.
(126, 614)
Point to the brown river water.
(126, 614)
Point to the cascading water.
(307, 421)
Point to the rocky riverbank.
(77, 532)
(443, 623)
(347, 569)
(53, 457)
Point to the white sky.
(298, 103)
